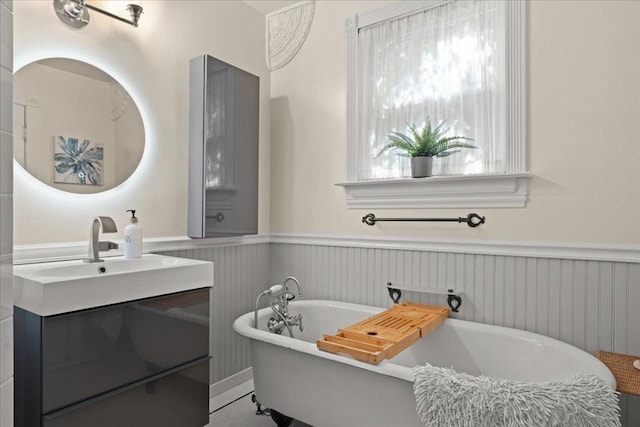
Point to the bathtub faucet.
(280, 297)
(277, 324)
(288, 296)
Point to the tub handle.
(395, 294)
(454, 302)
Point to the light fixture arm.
(134, 9)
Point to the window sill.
(470, 191)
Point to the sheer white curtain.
(443, 63)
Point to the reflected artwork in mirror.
(75, 127)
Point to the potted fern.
(423, 145)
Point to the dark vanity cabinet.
(224, 106)
(138, 363)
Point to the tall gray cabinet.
(223, 149)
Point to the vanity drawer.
(177, 398)
(90, 352)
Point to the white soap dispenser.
(133, 237)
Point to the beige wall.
(584, 98)
(152, 62)
(583, 132)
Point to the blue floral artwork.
(77, 162)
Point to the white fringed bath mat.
(445, 397)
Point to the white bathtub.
(325, 389)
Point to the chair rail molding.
(28, 254)
(557, 250)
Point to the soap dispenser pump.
(133, 237)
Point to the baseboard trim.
(227, 390)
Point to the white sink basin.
(60, 287)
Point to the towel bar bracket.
(454, 300)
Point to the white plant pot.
(421, 166)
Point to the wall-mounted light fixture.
(76, 13)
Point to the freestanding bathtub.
(328, 390)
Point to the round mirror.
(75, 127)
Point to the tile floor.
(230, 411)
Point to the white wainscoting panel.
(240, 273)
(590, 304)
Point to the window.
(457, 61)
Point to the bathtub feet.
(260, 410)
(281, 420)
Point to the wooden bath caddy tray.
(386, 334)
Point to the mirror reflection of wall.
(75, 128)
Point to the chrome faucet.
(288, 296)
(108, 226)
(280, 306)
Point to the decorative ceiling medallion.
(287, 30)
